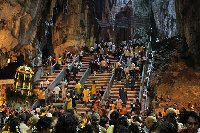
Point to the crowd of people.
(58, 120)
(110, 116)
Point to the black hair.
(188, 114)
(123, 121)
(134, 128)
(22, 117)
(114, 116)
(14, 124)
(66, 123)
(43, 123)
(166, 127)
(103, 121)
(87, 129)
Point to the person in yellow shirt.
(78, 89)
(84, 120)
(93, 90)
(86, 95)
(112, 106)
(59, 61)
(69, 101)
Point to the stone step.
(99, 81)
(91, 78)
(79, 75)
(116, 89)
(103, 74)
(57, 71)
(129, 98)
(118, 84)
(99, 77)
(117, 94)
(97, 85)
(50, 76)
(83, 69)
(58, 104)
(128, 92)
(71, 86)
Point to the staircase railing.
(110, 83)
(59, 78)
(149, 70)
(142, 83)
(72, 65)
(142, 86)
(55, 81)
(85, 76)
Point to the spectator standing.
(56, 92)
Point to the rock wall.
(19, 21)
(75, 27)
(165, 17)
(176, 17)
(46, 25)
(188, 20)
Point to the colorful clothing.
(86, 95)
(69, 103)
(94, 89)
(78, 88)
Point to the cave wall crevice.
(188, 21)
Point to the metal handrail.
(85, 76)
(107, 91)
(148, 74)
(55, 81)
(110, 83)
(142, 83)
(35, 104)
(72, 65)
(59, 78)
(120, 60)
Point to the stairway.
(114, 93)
(72, 83)
(50, 78)
(101, 79)
(85, 65)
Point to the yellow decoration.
(23, 85)
(23, 78)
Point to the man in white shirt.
(56, 92)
